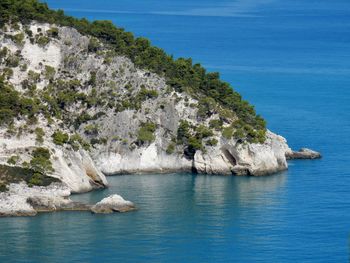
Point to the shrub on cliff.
(39, 132)
(10, 104)
(18, 38)
(171, 148)
(41, 161)
(37, 179)
(146, 133)
(60, 138)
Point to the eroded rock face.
(232, 157)
(75, 169)
(114, 203)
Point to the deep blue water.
(291, 59)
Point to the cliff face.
(100, 115)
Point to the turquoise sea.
(289, 58)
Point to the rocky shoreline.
(21, 200)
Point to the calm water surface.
(291, 59)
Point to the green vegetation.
(49, 72)
(192, 137)
(42, 41)
(39, 132)
(214, 95)
(11, 104)
(7, 73)
(94, 45)
(53, 32)
(227, 132)
(203, 132)
(216, 124)
(40, 162)
(12, 61)
(60, 138)
(145, 94)
(18, 38)
(171, 148)
(211, 142)
(15, 174)
(146, 133)
(13, 160)
(91, 129)
(33, 76)
(37, 179)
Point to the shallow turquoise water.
(288, 58)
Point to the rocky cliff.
(97, 114)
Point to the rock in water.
(52, 203)
(113, 203)
(303, 153)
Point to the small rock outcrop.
(303, 153)
(114, 203)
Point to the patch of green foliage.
(39, 132)
(12, 61)
(33, 76)
(211, 142)
(41, 162)
(171, 148)
(93, 45)
(216, 124)
(60, 138)
(16, 174)
(143, 95)
(203, 132)
(227, 132)
(181, 74)
(53, 32)
(91, 129)
(192, 137)
(42, 41)
(13, 160)
(146, 133)
(18, 38)
(37, 179)
(49, 72)
(7, 73)
(12, 104)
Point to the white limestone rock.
(231, 157)
(113, 203)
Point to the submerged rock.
(114, 203)
(303, 153)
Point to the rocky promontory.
(88, 100)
